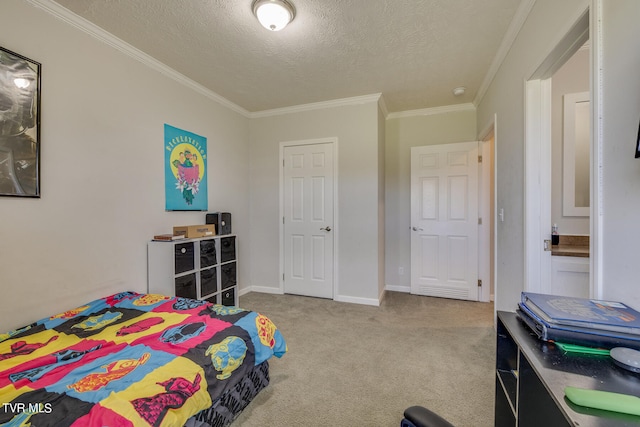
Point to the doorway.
(308, 225)
(543, 178)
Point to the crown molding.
(109, 39)
(585, 46)
(432, 111)
(93, 30)
(383, 106)
(507, 41)
(356, 100)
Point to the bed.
(133, 359)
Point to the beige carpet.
(355, 365)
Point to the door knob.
(327, 228)
(417, 229)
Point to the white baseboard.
(356, 300)
(261, 289)
(339, 298)
(382, 296)
(394, 288)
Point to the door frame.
(335, 230)
(537, 217)
(537, 88)
(487, 261)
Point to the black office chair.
(417, 416)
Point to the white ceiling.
(413, 52)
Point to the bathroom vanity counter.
(574, 246)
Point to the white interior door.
(444, 220)
(308, 202)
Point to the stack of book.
(581, 321)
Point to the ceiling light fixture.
(274, 15)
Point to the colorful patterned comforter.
(129, 360)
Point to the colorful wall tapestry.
(185, 170)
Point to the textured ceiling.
(414, 52)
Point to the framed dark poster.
(19, 125)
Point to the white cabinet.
(570, 276)
(204, 268)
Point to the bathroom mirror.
(576, 155)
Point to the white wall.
(620, 233)
(102, 170)
(86, 236)
(620, 170)
(402, 133)
(358, 230)
(547, 23)
(572, 77)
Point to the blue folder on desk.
(591, 337)
(582, 312)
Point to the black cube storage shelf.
(203, 268)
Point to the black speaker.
(222, 221)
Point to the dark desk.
(531, 376)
